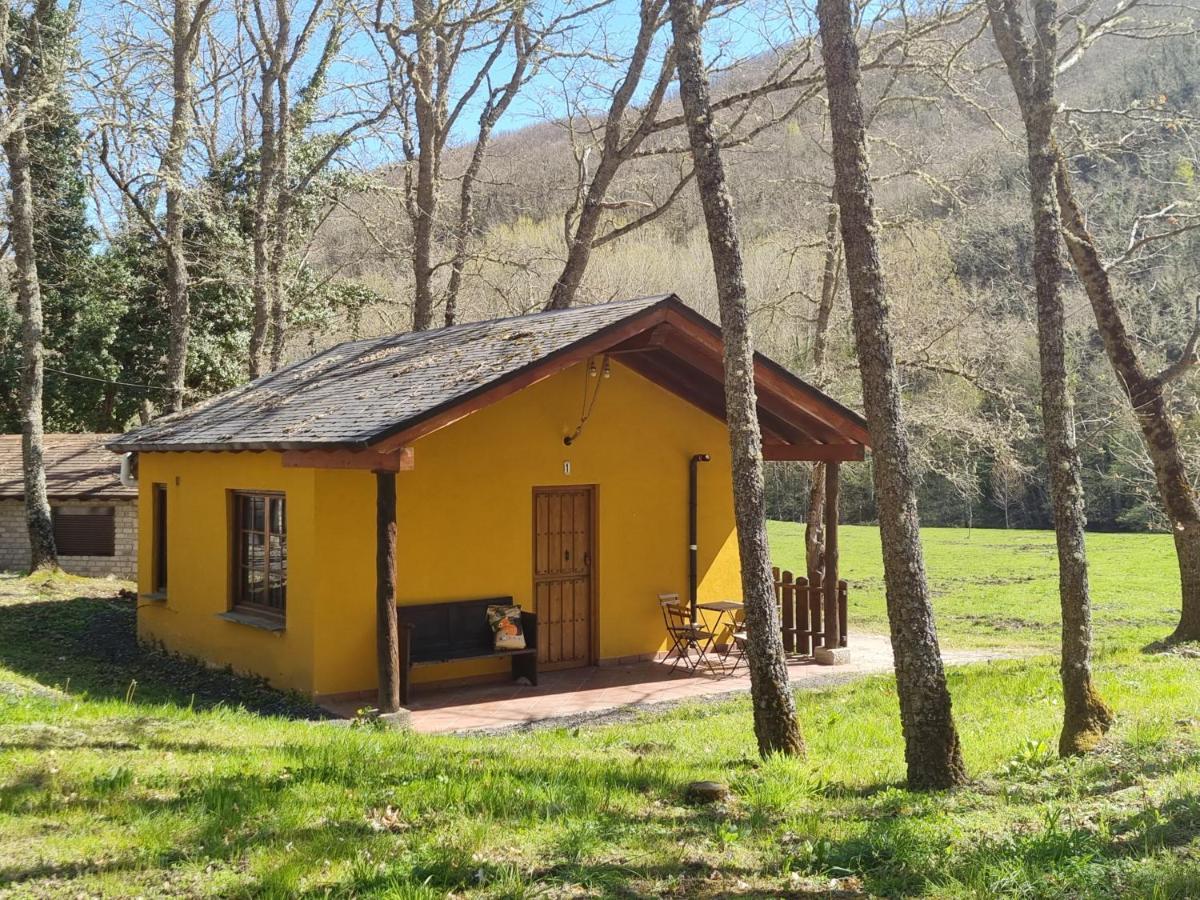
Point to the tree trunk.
(1086, 717)
(281, 236)
(261, 231)
(493, 110)
(579, 252)
(387, 638)
(814, 534)
(179, 328)
(462, 235)
(775, 723)
(1147, 396)
(426, 111)
(932, 750)
(620, 144)
(42, 552)
(814, 525)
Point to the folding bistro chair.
(739, 645)
(685, 635)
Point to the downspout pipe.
(693, 529)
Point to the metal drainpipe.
(693, 538)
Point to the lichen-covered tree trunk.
(261, 228)
(184, 36)
(814, 525)
(1031, 68)
(43, 554)
(932, 752)
(1147, 397)
(579, 250)
(281, 232)
(775, 723)
(425, 202)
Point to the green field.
(140, 777)
(1000, 588)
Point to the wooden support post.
(803, 618)
(814, 600)
(843, 603)
(387, 632)
(832, 636)
(785, 591)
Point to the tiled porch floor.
(577, 694)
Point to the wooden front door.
(563, 553)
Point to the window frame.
(159, 553)
(238, 577)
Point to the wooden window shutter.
(85, 530)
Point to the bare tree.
(932, 749)
(1139, 129)
(775, 723)
(1147, 394)
(448, 56)
(286, 40)
(630, 131)
(124, 123)
(32, 69)
(1032, 62)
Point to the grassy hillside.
(160, 790)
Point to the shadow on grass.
(907, 847)
(225, 818)
(1170, 646)
(88, 645)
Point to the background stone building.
(95, 516)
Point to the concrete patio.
(592, 693)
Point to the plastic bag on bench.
(506, 626)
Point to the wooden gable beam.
(702, 358)
(693, 390)
(401, 460)
(811, 451)
(845, 425)
(648, 340)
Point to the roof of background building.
(78, 466)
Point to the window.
(84, 530)
(159, 576)
(260, 553)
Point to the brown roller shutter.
(84, 530)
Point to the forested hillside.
(954, 204)
(948, 161)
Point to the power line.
(105, 381)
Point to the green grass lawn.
(140, 775)
(1000, 588)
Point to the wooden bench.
(454, 630)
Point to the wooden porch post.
(387, 633)
(832, 636)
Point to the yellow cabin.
(576, 461)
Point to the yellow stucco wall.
(198, 552)
(465, 520)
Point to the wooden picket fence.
(802, 611)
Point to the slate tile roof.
(78, 466)
(359, 391)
